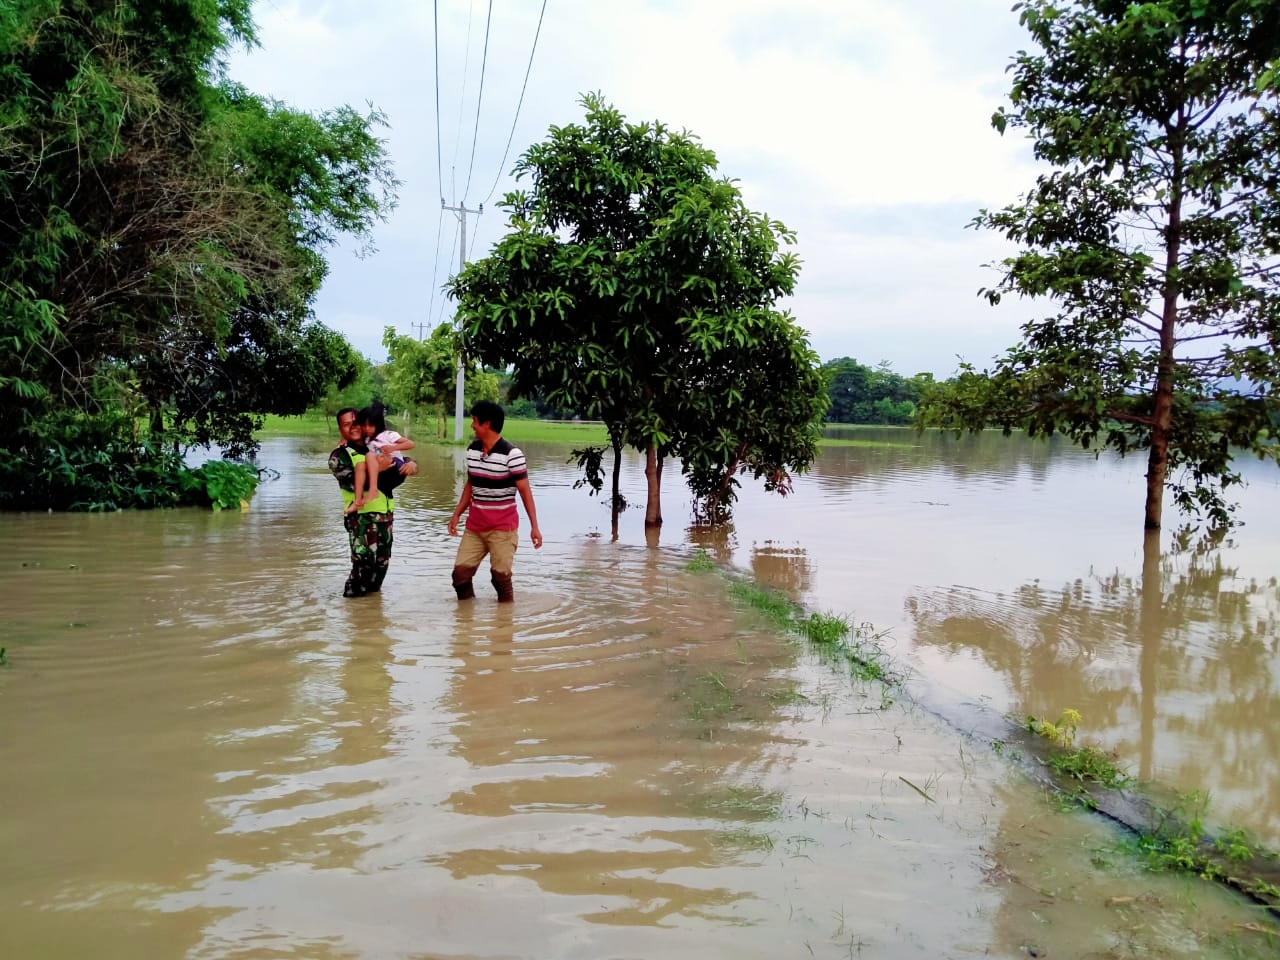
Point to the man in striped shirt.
(495, 474)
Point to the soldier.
(369, 527)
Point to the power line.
(462, 96)
(435, 263)
(435, 29)
(475, 235)
(484, 60)
(503, 162)
(444, 299)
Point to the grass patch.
(310, 425)
(831, 637)
(1085, 763)
(1175, 838)
(776, 608)
(1089, 764)
(700, 562)
(553, 431)
(423, 429)
(743, 839)
(853, 442)
(710, 698)
(787, 697)
(752, 804)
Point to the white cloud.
(862, 125)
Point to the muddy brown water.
(206, 752)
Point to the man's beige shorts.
(500, 545)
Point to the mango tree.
(636, 288)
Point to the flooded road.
(207, 752)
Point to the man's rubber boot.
(462, 585)
(502, 583)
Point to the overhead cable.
(435, 263)
(484, 60)
(503, 162)
(435, 27)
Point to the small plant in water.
(1085, 763)
(700, 562)
(1234, 844)
(823, 628)
(1062, 733)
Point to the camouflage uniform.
(369, 530)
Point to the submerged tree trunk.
(615, 503)
(1150, 634)
(653, 483)
(1158, 458)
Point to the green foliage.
(220, 484)
(74, 462)
(590, 460)
(423, 373)
(700, 562)
(861, 394)
(635, 288)
(163, 230)
(1156, 234)
(1084, 763)
(857, 650)
(369, 383)
(1062, 733)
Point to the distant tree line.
(859, 394)
(862, 394)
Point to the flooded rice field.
(207, 752)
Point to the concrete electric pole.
(462, 211)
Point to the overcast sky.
(863, 125)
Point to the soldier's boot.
(354, 586)
(369, 579)
(462, 585)
(502, 584)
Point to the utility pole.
(421, 328)
(462, 211)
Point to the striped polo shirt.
(493, 477)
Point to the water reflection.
(591, 734)
(217, 756)
(781, 567)
(1175, 669)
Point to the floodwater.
(206, 752)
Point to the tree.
(636, 288)
(422, 373)
(164, 228)
(861, 394)
(1156, 233)
(369, 384)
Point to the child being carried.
(369, 479)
